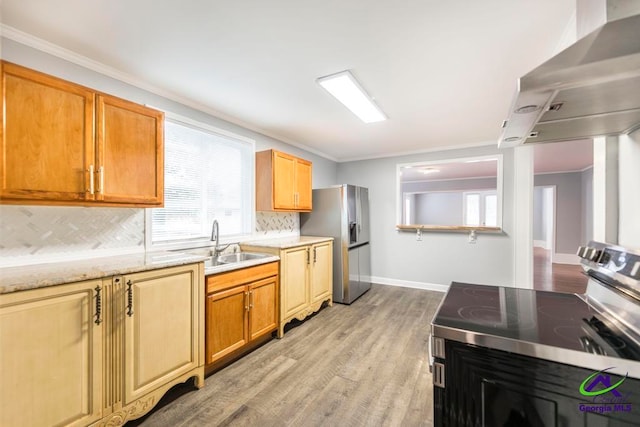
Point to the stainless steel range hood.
(590, 89)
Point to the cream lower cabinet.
(163, 337)
(51, 366)
(100, 352)
(306, 279)
(321, 274)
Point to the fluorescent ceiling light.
(346, 89)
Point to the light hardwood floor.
(360, 365)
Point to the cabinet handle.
(246, 301)
(314, 254)
(308, 256)
(250, 300)
(295, 199)
(101, 179)
(98, 306)
(91, 189)
(129, 298)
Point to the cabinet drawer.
(217, 282)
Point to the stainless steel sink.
(213, 262)
(240, 256)
(232, 258)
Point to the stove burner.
(492, 316)
(562, 311)
(480, 292)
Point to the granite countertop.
(35, 276)
(287, 242)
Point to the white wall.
(441, 257)
(629, 193)
(605, 189)
(587, 205)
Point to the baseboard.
(409, 284)
(572, 259)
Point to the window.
(209, 174)
(472, 209)
(481, 208)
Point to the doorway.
(562, 212)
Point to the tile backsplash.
(32, 234)
(38, 232)
(274, 224)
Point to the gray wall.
(569, 213)
(439, 208)
(538, 217)
(441, 257)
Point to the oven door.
(486, 387)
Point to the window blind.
(207, 176)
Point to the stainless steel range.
(508, 356)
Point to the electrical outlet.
(473, 237)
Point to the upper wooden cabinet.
(64, 144)
(130, 152)
(283, 182)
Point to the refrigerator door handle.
(358, 212)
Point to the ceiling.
(444, 72)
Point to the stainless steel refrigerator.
(342, 212)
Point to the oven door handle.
(431, 359)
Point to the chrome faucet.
(215, 231)
(215, 237)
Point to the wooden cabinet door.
(51, 356)
(226, 323)
(46, 137)
(303, 185)
(321, 277)
(161, 327)
(284, 173)
(295, 289)
(130, 152)
(263, 304)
